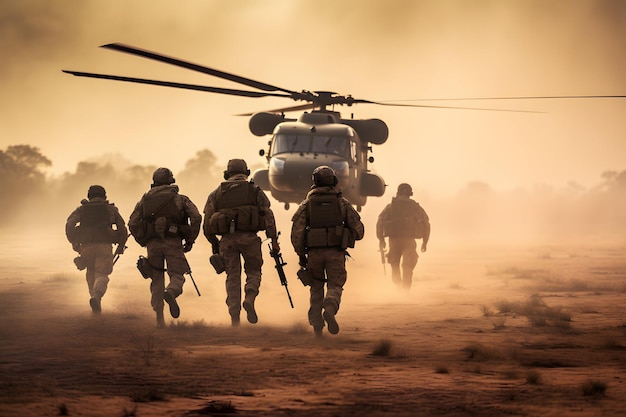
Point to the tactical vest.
(405, 220)
(236, 209)
(95, 223)
(161, 215)
(325, 221)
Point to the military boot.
(160, 319)
(248, 305)
(317, 331)
(329, 318)
(169, 298)
(96, 307)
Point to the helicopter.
(317, 137)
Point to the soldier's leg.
(316, 266)
(336, 276)
(393, 257)
(232, 265)
(87, 256)
(253, 261)
(157, 282)
(176, 268)
(409, 260)
(103, 266)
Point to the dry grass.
(382, 348)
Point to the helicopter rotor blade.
(439, 107)
(515, 98)
(195, 67)
(285, 109)
(195, 87)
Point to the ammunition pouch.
(80, 263)
(305, 276)
(217, 261)
(328, 237)
(237, 219)
(144, 267)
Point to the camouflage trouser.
(326, 264)
(404, 248)
(161, 252)
(99, 260)
(232, 248)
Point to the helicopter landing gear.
(286, 206)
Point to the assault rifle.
(117, 255)
(191, 276)
(281, 271)
(382, 258)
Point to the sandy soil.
(486, 331)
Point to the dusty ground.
(486, 331)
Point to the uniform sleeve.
(380, 223)
(426, 225)
(209, 210)
(120, 225)
(298, 229)
(70, 225)
(354, 221)
(270, 221)
(135, 218)
(195, 219)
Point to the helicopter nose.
(292, 174)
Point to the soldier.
(167, 223)
(237, 210)
(324, 226)
(403, 221)
(89, 230)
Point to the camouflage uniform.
(161, 221)
(403, 221)
(238, 238)
(89, 230)
(326, 262)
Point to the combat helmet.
(236, 166)
(324, 176)
(163, 176)
(405, 189)
(96, 191)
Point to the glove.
(275, 246)
(302, 261)
(120, 250)
(76, 247)
(216, 248)
(382, 244)
(187, 247)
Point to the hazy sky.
(376, 50)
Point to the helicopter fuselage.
(315, 139)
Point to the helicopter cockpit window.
(330, 145)
(290, 143)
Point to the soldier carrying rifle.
(236, 210)
(324, 226)
(90, 231)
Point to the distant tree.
(21, 176)
(200, 169)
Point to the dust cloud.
(520, 203)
